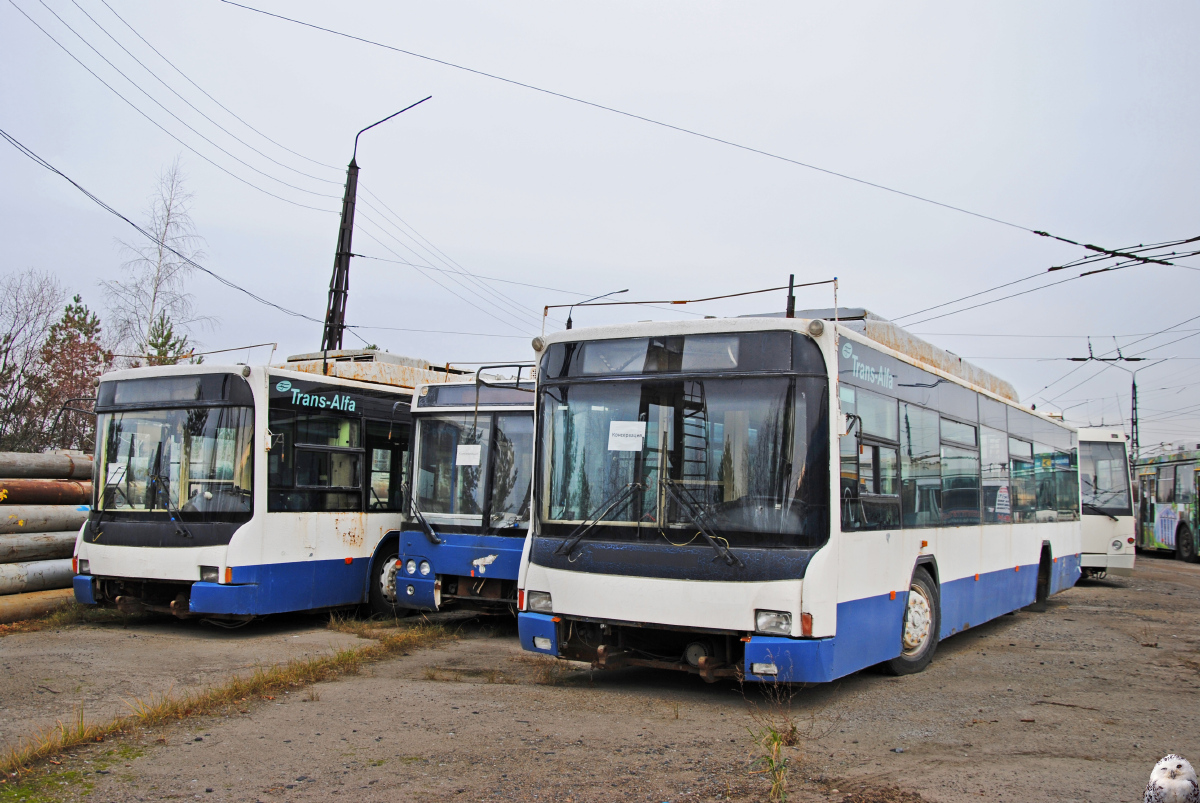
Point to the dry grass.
(70, 614)
(235, 693)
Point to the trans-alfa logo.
(881, 376)
(286, 384)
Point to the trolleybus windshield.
(194, 459)
(1104, 477)
(746, 455)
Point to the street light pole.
(339, 285)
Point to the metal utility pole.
(1133, 415)
(339, 285)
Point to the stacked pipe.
(44, 500)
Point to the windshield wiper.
(426, 527)
(161, 482)
(697, 516)
(602, 510)
(1100, 510)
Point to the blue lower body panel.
(537, 625)
(283, 587)
(84, 590)
(494, 557)
(1066, 573)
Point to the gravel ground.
(1075, 704)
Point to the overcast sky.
(1077, 118)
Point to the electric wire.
(157, 125)
(210, 97)
(511, 308)
(191, 105)
(25, 151)
(233, 114)
(177, 118)
(520, 323)
(440, 256)
(633, 116)
(449, 290)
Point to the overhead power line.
(176, 117)
(159, 126)
(190, 105)
(632, 116)
(25, 151)
(210, 97)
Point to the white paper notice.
(626, 436)
(467, 455)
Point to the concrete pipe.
(45, 492)
(25, 547)
(17, 578)
(54, 465)
(41, 518)
(17, 607)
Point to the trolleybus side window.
(512, 470)
(920, 467)
(1185, 484)
(1024, 488)
(1165, 493)
(960, 473)
(993, 452)
(870, 470)
(387, 459)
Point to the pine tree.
(72, 358)
(164, 347)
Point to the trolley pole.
(339, 284)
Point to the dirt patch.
(1057, 706)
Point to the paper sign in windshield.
(626, 436)
(468, 455)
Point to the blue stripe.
(968, 602)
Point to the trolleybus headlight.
(209, 574)
(1117, 545)
(411, 566)
(425, 568)
(773, 622)
(539, 601)
(84, 566)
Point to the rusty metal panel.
(894, 337)
(380, 373)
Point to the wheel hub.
(917, 620)
(387, 580)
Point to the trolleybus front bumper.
(472, 560)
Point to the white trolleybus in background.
(473, 470)
(784, 499)
(235, 492)
(1109, 537)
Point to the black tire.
(921, 625)
(1185, 545)
(382, 603)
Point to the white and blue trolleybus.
(1109, 537)
(235, 492)
(471, 480)
(784, 499)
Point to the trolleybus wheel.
(383, 588)
(922, 621)
(1185, 544)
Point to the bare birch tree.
(30, 303)
(154, 284)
